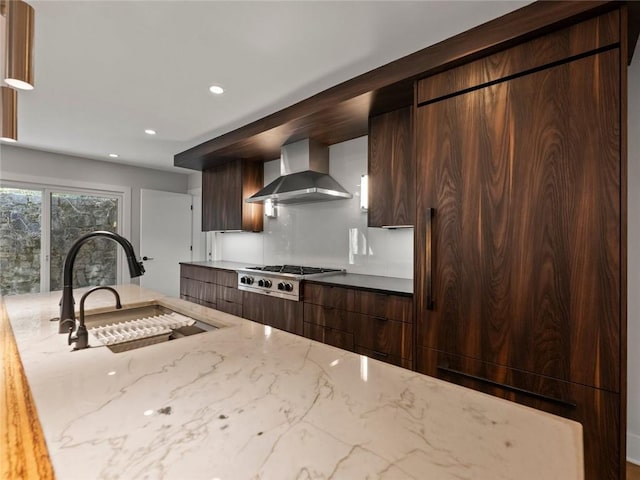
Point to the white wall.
(633, 265)
(19, 163)
(328, 234)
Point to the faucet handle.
(72, 339)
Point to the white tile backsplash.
(329, 234)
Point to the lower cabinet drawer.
(229, 294)
(327, 295)
(197, 289)
(229, 307)
(327, 317)
(330, 336)
(384, 357)
(199, 301)
(227, 278)
(382, 335)
(203, 274)
(393, 307)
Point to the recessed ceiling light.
(114, 155)
(216, 89)
(149, 131)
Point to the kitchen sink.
(130, 328)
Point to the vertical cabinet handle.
(429, 258)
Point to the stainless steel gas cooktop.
(279, 280)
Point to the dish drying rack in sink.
(140, 332)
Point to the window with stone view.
(20, 240)
(73, 215)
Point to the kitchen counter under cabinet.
(247, 401)
(393, 285)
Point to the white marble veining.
(251, 402)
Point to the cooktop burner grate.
(294, 269)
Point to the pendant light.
(9, 118)
(18, 68)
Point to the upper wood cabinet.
(391, 169)
(224, 190)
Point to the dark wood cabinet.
(273, 311)
(211, 287)
(224, 190)
(331, 336)
(391, 169)
(518, 269)
(374, 324)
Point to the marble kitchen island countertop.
(250, 402)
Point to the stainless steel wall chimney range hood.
(304, 177)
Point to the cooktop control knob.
(287, 287)
(261, 283)
(267, 283)
(247, 280)
(243, 279)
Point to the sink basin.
(131, 328)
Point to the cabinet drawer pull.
(380, 354)
(429, 258)
(508, 387)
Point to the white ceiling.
(106, 70)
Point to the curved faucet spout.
(67, 314)
(82, 336)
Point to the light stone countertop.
(250, 402)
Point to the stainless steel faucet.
(82, 336)
(67, 315)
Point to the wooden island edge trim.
(24, 452)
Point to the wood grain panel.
(222, 197)
(327, 317)
(277, 312)
(199, 301)
(383, 336)
(327, 295)
(229, 307)
(391, 169)
(597, 410)
(393, 307)
(330, 336)
(252, 181)
(229, 294)
(526, 238)
(578, 39)
(224, 190)
(196, 289)
(227, 278)
(24, 453)
(204, 274)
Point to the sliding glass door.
(37, 228)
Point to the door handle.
(147, 258)
(429, 258)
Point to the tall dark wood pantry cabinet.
(518, 233)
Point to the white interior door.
(165, 239)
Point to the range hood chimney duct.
(304, 177)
